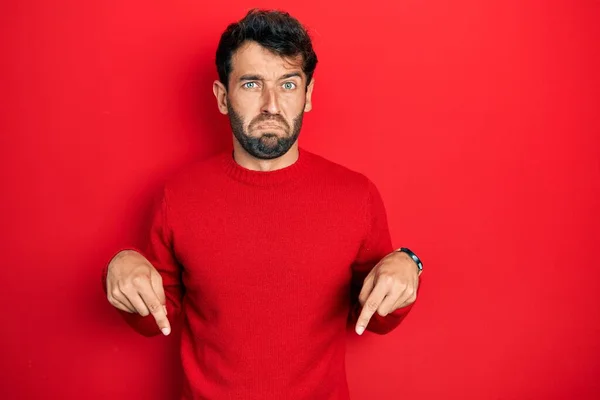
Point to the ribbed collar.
(277, 177)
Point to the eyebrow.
(291, 75)
(260, 78)
(251, 78)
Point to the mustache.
(269, 118)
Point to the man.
(269, 250)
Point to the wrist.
(413, 257)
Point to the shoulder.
(341, 176)
(196, 176)
(349, 188)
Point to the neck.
(244, 159)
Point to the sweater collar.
(277, 177)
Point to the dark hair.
(274, 30)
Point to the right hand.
(134, 285)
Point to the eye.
(289, 85)
(249, 85)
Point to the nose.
(270, 102)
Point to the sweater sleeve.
(159, 251)
(376, 245)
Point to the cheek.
(293, 106)
(244, 113)
(244, 102)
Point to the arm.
(156, 271)
(376, 245)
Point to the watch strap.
(412, 255)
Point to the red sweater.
(266, 268)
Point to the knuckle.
(114, 294)
(401, 286)
(154, 307)
(386, 279)
(158, 277)
(372, 305)
(124, 287)
(139, 280)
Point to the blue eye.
(289, 85)
(247, 85)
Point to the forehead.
(253, 58)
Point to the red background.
(478, 120)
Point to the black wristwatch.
(412, 255)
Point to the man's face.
(266, 100)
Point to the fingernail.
(165, 307)
(360, 330)
(166, 331)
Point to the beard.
(269, 145)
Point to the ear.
(221, 95)
(309, 90)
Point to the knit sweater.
(265, 269)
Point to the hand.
(134, 285)
(391, 284)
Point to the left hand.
(391, 284)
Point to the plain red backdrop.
(477, 120)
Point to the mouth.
(263, 127)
